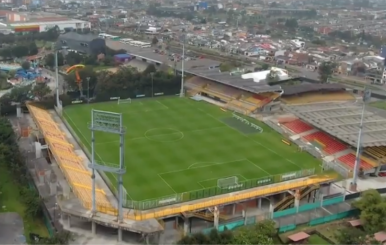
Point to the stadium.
(229, 145)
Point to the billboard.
(27, 28)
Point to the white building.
(262, 75)
(46, 25)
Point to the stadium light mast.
(56, 73)
(366, 97)
(182, 67)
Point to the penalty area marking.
(213, 163)
(163, 105)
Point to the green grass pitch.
(175, 145)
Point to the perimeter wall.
(312, 214)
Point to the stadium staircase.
(290, 200)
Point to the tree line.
(126, 82)
(260, 233)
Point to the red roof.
(298, 236)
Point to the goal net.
(225, 183)
(124, 101)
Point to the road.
(52, 84)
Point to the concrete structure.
(82, 43)
(73, 163)
(342, 120)
(46, 25)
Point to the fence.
(311, 213)
(214, 191)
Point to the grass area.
(317, 240)
(379, 104)
(43, 44)
(10, 202)
(101, 67)
(329, 231)
(175, 145)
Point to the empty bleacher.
(75, 172)
(349, 160)
(240, 106)
(221, 91)
(196, 83)
(298, 126)
(376, 152)
(330, 145)
(314, 97)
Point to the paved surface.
(11, 229)
(151, 55)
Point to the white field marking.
(200, 185)
(136, 112)
(163, 105)
(167, 183)
(181, 170)
(179, 132)
(176, 131)
(213, 163)
(257, 166)
(269, 149)
(90, 146)
(237, 175)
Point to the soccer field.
(176, 145)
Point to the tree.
(291, 23)
(224, 67)
(154, 41)
(19, 94)
(20, 51)
(73, 58)
(325, 70)
(50, 60)
(265, 67)
(26, 65)
(41, 90)
(149, 69)
(260, 233)
(373, 210)
(272, 76)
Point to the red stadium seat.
(297, 126)
(349, 160)
(331, 145)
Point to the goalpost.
(226, 183)
(124, 101)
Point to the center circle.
(164, 134)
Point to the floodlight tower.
(182, 66)
(366, 98)
(108, 122)
(56, 74)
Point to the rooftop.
(234, 81)
(342, 120)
